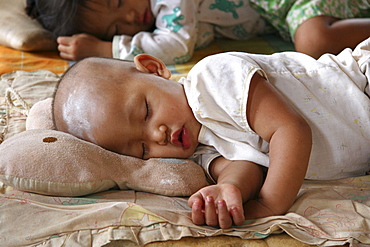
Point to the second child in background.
(168, 29)
(172, 29)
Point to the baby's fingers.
(197, 215)
(238, 215)
(210, 212)
(224, 218)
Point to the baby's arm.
(238, 182)
(289, 135)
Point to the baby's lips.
(183, 135)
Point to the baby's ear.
(153, 65)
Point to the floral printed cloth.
(287, 15)
(326, 213)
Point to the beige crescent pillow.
(56, 163)
(19, 31)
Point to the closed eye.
(148, 110)
(147, 115)
(145, 152)
(114, 3)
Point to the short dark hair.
(57, 16)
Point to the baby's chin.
(186, 154)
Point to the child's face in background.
(106, 18)
(136, 113)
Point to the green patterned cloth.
(287, 15)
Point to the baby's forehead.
(93, 65)
(98, 70)
(97, 78)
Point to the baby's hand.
(83, 45)
(219, 204)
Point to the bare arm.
(239, 182)
(289, 135)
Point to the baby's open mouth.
(181, 138)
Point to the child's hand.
(83, 45)
(219, 204)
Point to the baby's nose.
(130, 17)
(160, 135)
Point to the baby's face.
(137, 113)
(106, 18)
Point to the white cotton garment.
(181, 26)
(331, 93)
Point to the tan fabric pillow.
(55, 163)
(19, 31)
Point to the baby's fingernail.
(209, 199)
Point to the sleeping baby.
(258, 124)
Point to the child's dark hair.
(57, 16)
